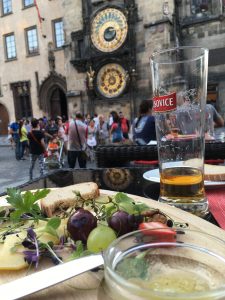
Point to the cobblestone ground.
(13, 172)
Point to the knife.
(43, 279)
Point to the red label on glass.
(165, 103)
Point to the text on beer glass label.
(165, 103)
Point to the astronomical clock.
(109, 30)
(111, 80)
(105, 49)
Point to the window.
(28, 3)
(200, 6)
(22, 99)
(6, 7)
(10, 46)
(32, 41)
(58, 33)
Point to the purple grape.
(135, 220)
(80, 224)
(119, 222)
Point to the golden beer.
(182, 185)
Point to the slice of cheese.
(12, 260)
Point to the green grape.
(100, 238)
(127, 207)
(110, 208)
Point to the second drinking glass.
(179, 81)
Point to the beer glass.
(179, 82)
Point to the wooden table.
(87, 286)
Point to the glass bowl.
(160, 264)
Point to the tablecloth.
(216, 199)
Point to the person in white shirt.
(96, 120)
(77, 142)
(212, 119)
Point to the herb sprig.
(25, 204)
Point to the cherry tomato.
(158, 231)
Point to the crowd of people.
(78, 137)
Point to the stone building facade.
(32, 67)
(58, 85)
(202, 23)
(153, 30)
(160, 24)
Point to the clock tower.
(105, 51)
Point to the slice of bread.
(214, 172)
(65, 197)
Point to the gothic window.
(6, 7)
(58, 33)
(27, 3)
(200, 6)
(10, 46)
(32, 40)
(22, 99)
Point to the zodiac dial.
(111, 80)
(109, 30)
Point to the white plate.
(153, 175)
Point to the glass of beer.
(179, 82)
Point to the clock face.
(111, 80)
(109, 30)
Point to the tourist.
(23, 139)
(87, 119)
(77, 142)
(213, 119)
(110, 121)
(62, 133)
(42, 124)
(96, 120)
(51, 129)
(116, 130)
(14, 131)
(27, 125)
(144, 125)
(91, 139)
(102, 131)
(125, 125)
(37, 147)
(10, 138)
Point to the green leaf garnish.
(79, 252)
(54, 222)
(25, 203)
(51, 227)
(122, 197)
(140, 207)
(133, 267)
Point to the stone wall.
(23, 68)
(212, 36)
